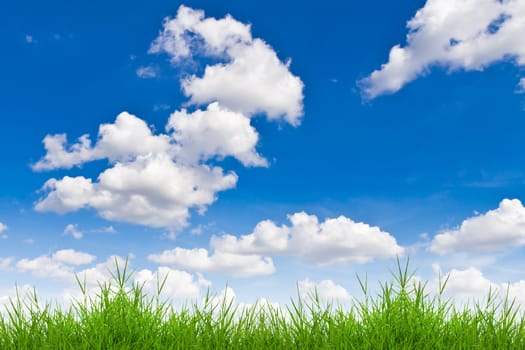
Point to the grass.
(122, 316)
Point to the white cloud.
(469, 286)
(45, 266)
(29, 39)
(198, 259)
(155, 180)
(72, 257)
(492, 231)
(161, 107)
(177, 284)
(146, 72)
(256, 80)
(145, 185)
(456, 34)
(11, 294)
(73, 231)
(215, 132)
(521, 86)
(334, 241)
(57, 156)
(218, 35)
(107, 229)
(326, 290)
(117, 142)
(101, 273)
(58, 265)
(152, 190)
(468, 283)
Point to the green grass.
(402, 316)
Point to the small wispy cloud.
(161, 107)
(521, 86)
(73, 231)
(202, 228)
(5, 262)
(29, 39)
(109, 229)
(3, 227)
(147, 72)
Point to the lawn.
(402, 316)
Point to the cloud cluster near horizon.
(156, 179)
(503, 227)
(464, 34)
(333, 241)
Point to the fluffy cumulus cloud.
(469, 286)
(157, 179)
(215, 132)
(152, 190)
(199, 259)
(59, 265)
(118, 142)
(175, 283)
(334, 241)
(492, 231)
(67, 265)
(256, 80)
(326, 290)
(455, 34)
(6, 295)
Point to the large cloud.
(492, 231)
(238, 265)
(339, 240)
(252, 80)
(59, 265)
(334, 241)
(62, 266)
(152, 190)
(456, 34)
(470, 286)
(326, 290)
(157, 179)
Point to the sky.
(262, 150)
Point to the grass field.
(402, 316)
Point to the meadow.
(402, 316)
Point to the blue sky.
(263, 146)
